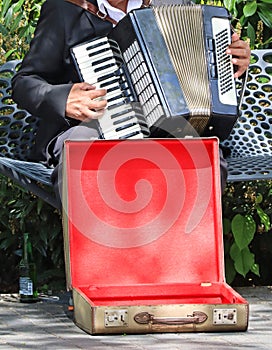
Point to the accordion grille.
(186, 48)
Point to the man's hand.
(240, 51)
(85, 102)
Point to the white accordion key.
(100, 64)
(122, 127)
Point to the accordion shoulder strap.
(86, 5)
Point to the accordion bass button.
(213, 71)
(212, 58)
(211, 45)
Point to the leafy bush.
(251, 18)
(23, 212)
(18, 20)
(247, 213)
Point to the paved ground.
(48, 325)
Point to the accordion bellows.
(183, 30)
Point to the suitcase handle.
(145, 318)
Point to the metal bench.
(250, 142)
(249, 145)
(17, 135)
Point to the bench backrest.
(252, 134)
(17, 127)
(250, 139)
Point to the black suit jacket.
(44, 81)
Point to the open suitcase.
(143, 237)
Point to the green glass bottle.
(27, 274)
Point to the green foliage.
(252, 19)
(22, 212)
(17, 24)
(247, 212)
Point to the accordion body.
(169, 69)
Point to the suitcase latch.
(224, 316)
(116, 318)
(146, 318)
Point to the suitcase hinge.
(145, 318)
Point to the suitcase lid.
(142, 212)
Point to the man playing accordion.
(48, 86)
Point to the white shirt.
(115, 13)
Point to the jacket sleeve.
(42, 84)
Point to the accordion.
(166, 72)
